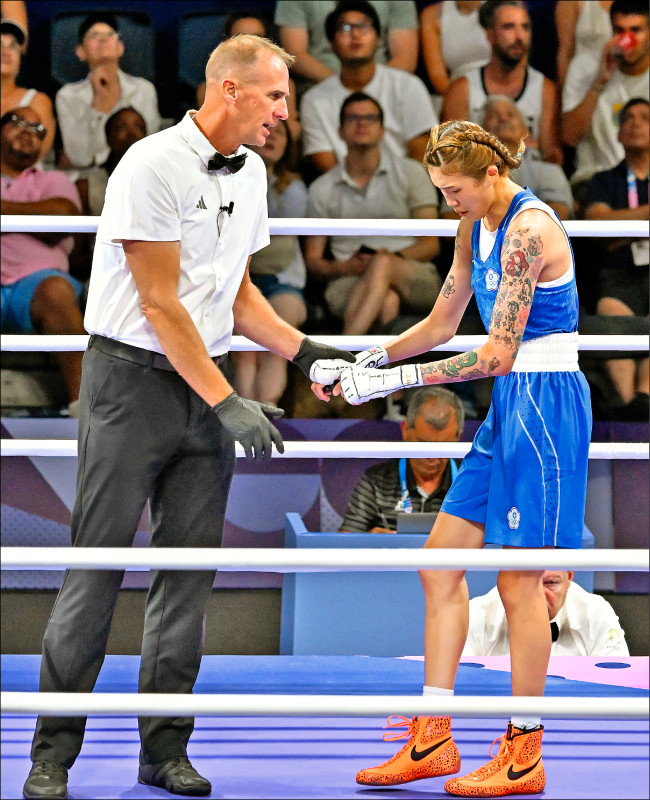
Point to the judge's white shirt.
(588, 626)
(162, 191)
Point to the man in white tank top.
(507, 73)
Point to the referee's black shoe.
(176, 775)
(46, 779)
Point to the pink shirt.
(22, 254)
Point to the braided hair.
(462, 146)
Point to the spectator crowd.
(371, 77)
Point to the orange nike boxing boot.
(516, 769)
(429, 753)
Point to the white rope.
(313, 449)
(341, 559)
(34, 223)
(21, 343)
(313, 705)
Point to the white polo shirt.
(162, 191)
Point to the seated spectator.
(416, 484)
(277, 270)
(452, 41)
(14, 39)
(580, 26)
(301, 26)
(508, 73)
(258, 25)
(582, 624)
(547, 181)
(38, 293)
(370, 277)
(354, 29)
(84, 106)
(122, 129)
(596, 88)
(621, 194)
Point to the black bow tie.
(555, 631)
(232, 163)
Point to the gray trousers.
(143, 435)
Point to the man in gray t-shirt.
(301, 27)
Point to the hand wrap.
(361, 385)
(245, 422)
(328, 371)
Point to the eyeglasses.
(362, 118)
(37, 128)
(102, 36)
(348, 27)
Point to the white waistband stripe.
(557, 352)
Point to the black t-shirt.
(610, 187)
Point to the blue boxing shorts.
(525, 477)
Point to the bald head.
(503, 119)
(239, 57)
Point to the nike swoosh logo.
(416, 755)
(514, 775)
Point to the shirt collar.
(560, 617)
(192, 134)
(382, 167)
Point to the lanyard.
(405, 503)
(632, 192)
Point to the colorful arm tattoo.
(521, 263)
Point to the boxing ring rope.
(320, 560)
(313, 705)
(35, 223)
(343, 559)
(326, 449)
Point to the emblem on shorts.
(514, 517)
(491, 280)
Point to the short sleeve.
(57, 184)
(289, 14)
(419, 115)
(315, 130)
(317, 199)
(581, 73)
(552, 185)
(402, 14)
(420, 191)
(140, 205)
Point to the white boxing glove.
(327, 371)
(360, 385)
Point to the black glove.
(245, 422)
(313, 351)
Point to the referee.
(158, 418)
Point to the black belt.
(137, 355)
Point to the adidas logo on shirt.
(201, 203)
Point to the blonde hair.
(464, 147)
(239, 54)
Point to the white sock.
(436, 690)
(525, 723)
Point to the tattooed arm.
(523, 258)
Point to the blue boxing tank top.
(555, 304)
